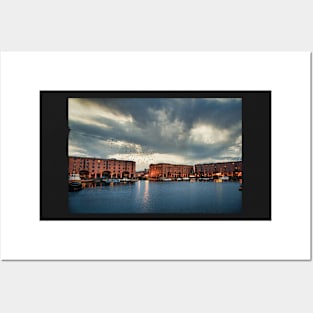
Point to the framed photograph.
(181, 155)
(156, 156)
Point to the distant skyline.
(156, 130)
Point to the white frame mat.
(286, 237)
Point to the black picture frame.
(256, 154)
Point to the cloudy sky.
(155, 130)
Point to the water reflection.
(146, 193)
(157, 197)
(88, 185)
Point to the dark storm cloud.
(219, 112)
(197, 129)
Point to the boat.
(205, 179)
(74, 182)
(107, 181)
(186, 178)
(125, 180)
(224, 178)
(88, 180)
(166, 179)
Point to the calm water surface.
(158, 197)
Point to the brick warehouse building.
(218, 169)
(166, 170)
(94, 167)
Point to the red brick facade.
(112, 168)
(93, 167)
(224, 168)
(165, 170)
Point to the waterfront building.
(219, 169)
(143, 174)
(166, 170)
(96, 168)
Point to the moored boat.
(125, 180)
(205, 179)
(88, 180)
(74, 182)
(107, 181)
(167, 179)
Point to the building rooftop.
(170, 164)
(212, 163)
(94, 158)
